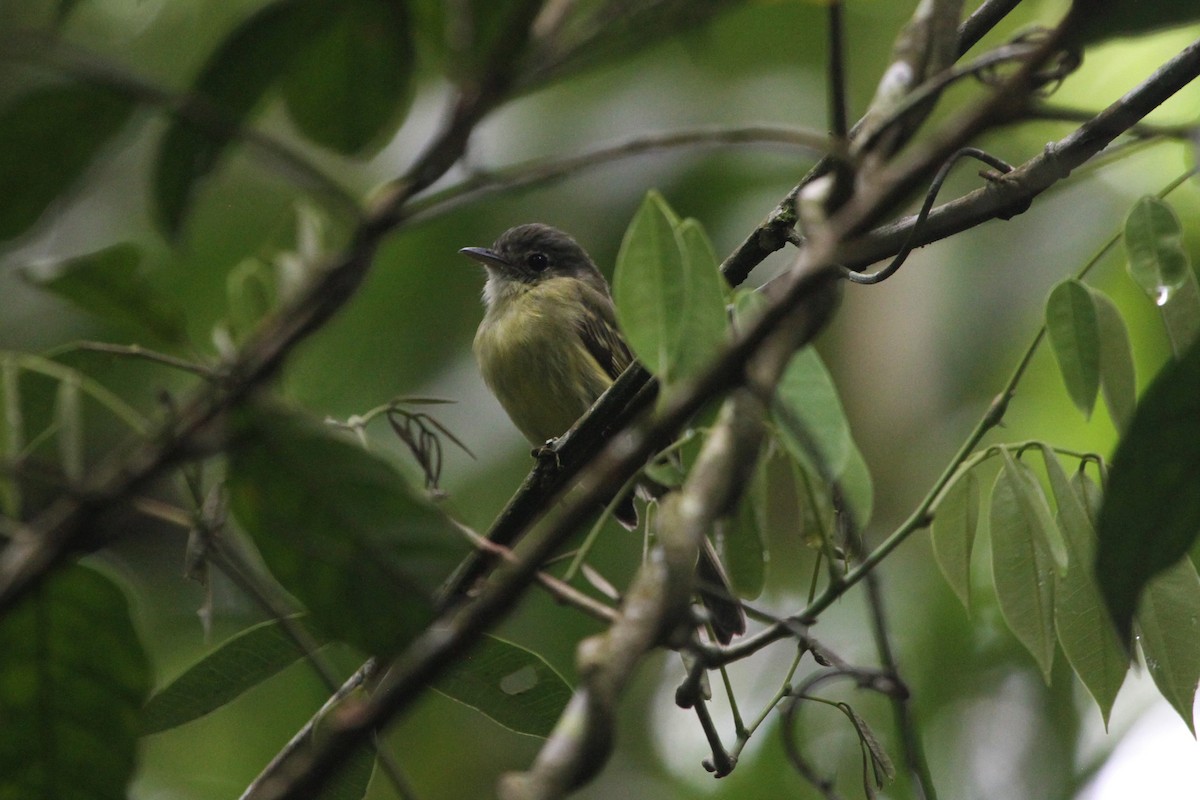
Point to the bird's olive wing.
(598, 329)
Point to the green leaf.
(234, 79)
(702, 318)
(1154, 246)
(512, 685)
(858, 490)
(1118, 380)
(339, 529)
(668, 293)
(1075, 337)
(955, 520)
(813, 517)
(648, 286)
(48, 138)
(740, 540)
(72, 680)
(1023, 572)
(1036, 509)
(109, 284)
(1090, 495)
(240, 663)
(1085, 630)
(1181, 314)
(1169, 622)
(1096, 20)
(351, 86)
(462, 37)
(809, 415)
(1151, 513)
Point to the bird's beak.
(489, 258)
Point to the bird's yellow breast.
(533, 359)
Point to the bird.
(548, 346)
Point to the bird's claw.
(547, 455)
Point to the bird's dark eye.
(537, 261)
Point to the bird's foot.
(546, 456)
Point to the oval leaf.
(1151, 513)
(1169, 622)
(1118, 379)
(512, 685)
(1023, 572)
(740, 540)
(109, 284)
(1090, 495)
(1154, 245)
(648, 286)
(809, 415)
(72, 680)
(1036, 509)
(703, 319)
(1085, 630)
(350, 87)
(48, 137)
(339, 529)
(234, 80)
(1074, 335)
(955, 520)
(240, 663)
(858, 490)
(1181, 314)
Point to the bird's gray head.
(533, 253)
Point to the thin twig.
(934, 187)
(785, 689)
(138, 352)
(539, 171)
(558, 589)
(721, 763)
(910, 738)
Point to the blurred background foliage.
(916, 361)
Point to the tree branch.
(544, 170)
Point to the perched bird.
(548, 347)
